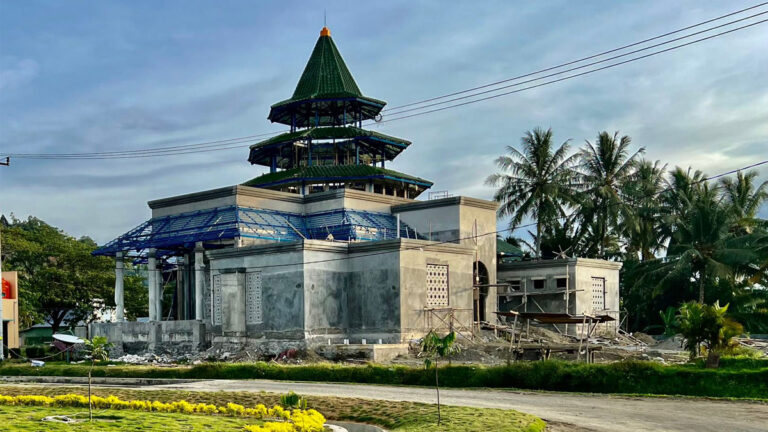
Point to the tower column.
(119, 288)
(152, 284)
(199, 280)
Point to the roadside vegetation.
(681, 236)
(737, 377)
(394, 416)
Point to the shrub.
(296, 420)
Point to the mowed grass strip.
(394, 416)
(28, 418)
(736, 380)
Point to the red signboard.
(9, 285)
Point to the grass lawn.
(395, 416)
(27, 418)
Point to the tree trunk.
(538, 237)
(713, 359)
(701, 287)
(90, 405)
(437, 388)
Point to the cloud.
(17, 72)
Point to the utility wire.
(578, 60)
(234, 143)
(510, 229)
(574, 75)
(579, 67)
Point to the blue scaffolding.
(174, 235)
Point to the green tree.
(59, 279)
(604, 169)
(96, 349)
(434, 347)
(642, 228)
(537, 181)
(707, 325)
(745, 199)
(703, 246)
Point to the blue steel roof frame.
(173, 234)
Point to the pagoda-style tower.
(327, 148)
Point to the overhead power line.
(577, 60)
(519, 83)
(510, 229)
(634, 59)
(235, 143)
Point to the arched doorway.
(480, 280)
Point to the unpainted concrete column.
(199, 280)
(152, 282)
(119, 287)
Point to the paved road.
(565, 412)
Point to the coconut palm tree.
(745, 198)
(703, 247)
(605, 166)
(642, 228)
(537, 181)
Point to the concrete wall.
(415, 320)
(174, 337)
(282, 286)
(579, 273)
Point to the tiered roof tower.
(327, 147)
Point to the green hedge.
(623, 377)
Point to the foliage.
(604, 169)
(707, 325)
(59, 279)
(537, 181)
(96, 349)
(298, 420)
(434, 347)
(622, 377)
(292, 400)
(394, 416)
(680, 236)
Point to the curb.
(94, 380)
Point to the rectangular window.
(253, 295)
(598, 293)
(561, 283)
(437, 285)
(539, 283)
(515, 285)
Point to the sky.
(107, 76)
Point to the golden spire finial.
(325, 31)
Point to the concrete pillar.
(199, 280)
(119, 287)
(159, 294)
(152, 283)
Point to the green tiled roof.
(325, 79)
(506, 249)
(348, 132)
(325, 74)
(333, 173)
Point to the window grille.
(437, 285)
(217, 299)
(598, 293)
(253, 296)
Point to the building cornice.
(410, 244)
(193, 197)
(255, 192)
(580, 262)
(276, 248)
(445, 202)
